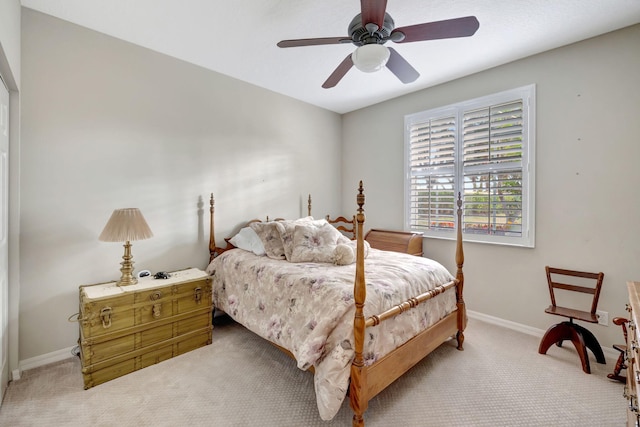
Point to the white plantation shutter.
(492, 169)
(432, 173)
(482, 149)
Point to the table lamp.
(126, 225)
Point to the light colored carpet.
(241, 380)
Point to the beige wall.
(107, 124)
(587, 200)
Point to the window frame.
(458, 110)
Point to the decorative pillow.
(314, 244)
(248, 240)
(344, 239)
(344, 255)
(270, 238)
(353, 244)
(286, 229)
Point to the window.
(482, 149)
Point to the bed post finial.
(309, 205)
(212, 238)
(462, 315)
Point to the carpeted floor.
(241, 380)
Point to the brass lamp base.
(127, 277)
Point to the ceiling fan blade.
(338, 73)
(314, 42)
(373, 11)
(401, 68)
(450, 28)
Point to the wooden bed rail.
(409, 304)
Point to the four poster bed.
(305, 300)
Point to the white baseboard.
(609, 353)
(506, 323)
(42, 360)
(56, 356)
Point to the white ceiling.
(238, 37)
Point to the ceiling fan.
(372, 28)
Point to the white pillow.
(248, 240)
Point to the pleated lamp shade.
(126, 225)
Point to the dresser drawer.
(106, 346)
(106, 308)
(108, 369)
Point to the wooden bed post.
(358, 385)
(212, 237)
(309, 206)
(462, 313)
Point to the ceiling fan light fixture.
(370, 57)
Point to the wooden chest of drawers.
(633, 340)
(123, 329)
(397, 241)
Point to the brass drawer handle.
(156, 310)
(197, 295)
(105, 316)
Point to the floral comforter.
(308, 308)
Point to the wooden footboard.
(368, 381)
(395, 364)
